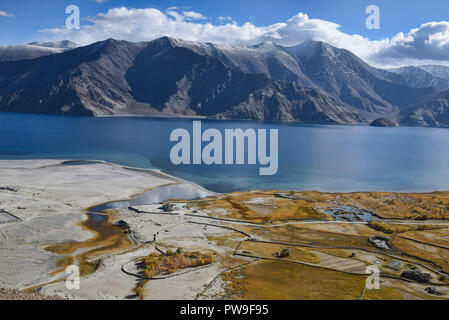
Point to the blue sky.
(396, 15)
(22, 19)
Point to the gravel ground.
(14, 294)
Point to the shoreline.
(183, 180)
(198, 117)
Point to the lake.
(311, 157)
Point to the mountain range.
(312, 82)
(423, 76)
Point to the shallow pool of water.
(179, 191)
(348, 213)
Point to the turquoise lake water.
(311, 157)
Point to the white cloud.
(193, 15)
(429, 42)
(173, 12)
(185, 15)
(224, 18)
(6, 14)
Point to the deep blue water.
(311, 157)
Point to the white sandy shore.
(49, 199)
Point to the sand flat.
(50, 198)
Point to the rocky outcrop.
(380, 242)
(417, 275)
(383, 122)
(168, 207)
(433, 291)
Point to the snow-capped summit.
(63, 44)
(343, 75)
(265, 58)
(437, 71)
(34, 50)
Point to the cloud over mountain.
(427, 43)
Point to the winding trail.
(250, 238)
(440, 270)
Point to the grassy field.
(267, 208)
(398, 205)
(400, 228)
(267, 250)
(344, 247)
(288, 281)
(338, 251)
